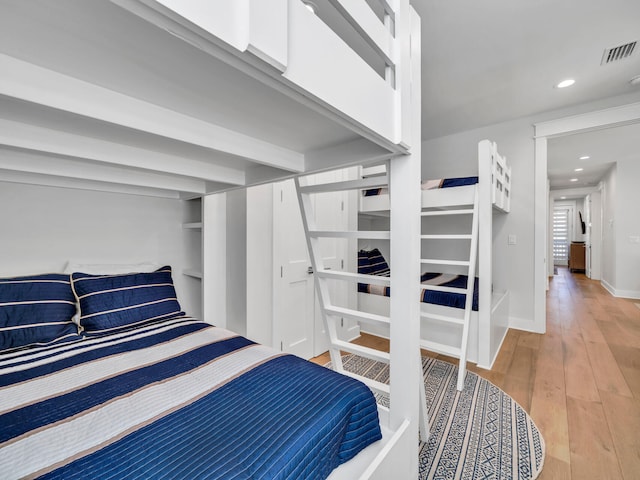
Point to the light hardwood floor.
(580, 381)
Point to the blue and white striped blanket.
(176, 399)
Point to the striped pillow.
(378, 264)
(109, 302)
(36, 310)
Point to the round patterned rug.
(479, 433)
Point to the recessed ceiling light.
(573, 180)
(566, 83)
(563, 198)
(578, 169)
(585, 157)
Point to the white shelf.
(192, 273)
(192, 225)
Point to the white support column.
(485, 250)
(540, 277)
(214, 259)
(405, 366)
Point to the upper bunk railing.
(349, 58)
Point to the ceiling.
(603, 147)
(496, 60)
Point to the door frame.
(610, 117)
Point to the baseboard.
(523, 324)
(633, 294)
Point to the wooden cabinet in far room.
(577, 257)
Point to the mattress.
(372, 262)
(176, 398)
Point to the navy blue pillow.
(109, 302)
(36, 310)
(364, 264)
(378, 264)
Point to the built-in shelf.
(192, 273)
(193, 225)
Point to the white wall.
(44, 227)
(627, 228)
(609, 193)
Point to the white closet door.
(298, 324)
(330, 214)
(293, 316)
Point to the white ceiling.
(495, 60)
(603, 147)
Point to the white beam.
(26, 161)
(583, 122)
(81, 184)
(354, 152)
(45, 87)
(31, 137)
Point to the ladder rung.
(433, 213)
(439, 288)
(442, 318)
(372, 353)
(369, 182)
(358, 277)
(356, 315)
(372, 384)
(466, 236)
(440, 348)
(437, 261)
(364, 234)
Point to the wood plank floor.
(580, 381)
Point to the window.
(561, 238)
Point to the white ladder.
(331, 313)
(471, 209)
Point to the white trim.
(633, 294)
(609, 117)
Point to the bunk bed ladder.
(332, 314)
(454, 351)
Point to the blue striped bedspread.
(177, 399)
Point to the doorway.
(616, 116)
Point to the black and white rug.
(479, 433)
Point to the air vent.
(618, 53)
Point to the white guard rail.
(310, 43)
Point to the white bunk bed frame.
(489, 324)
(187, 98)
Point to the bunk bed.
(490, 304)
(183, 100)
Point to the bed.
(489, 316)
(139, 384)
(372, 262)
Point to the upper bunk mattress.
(429, 185)
(177, 398)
